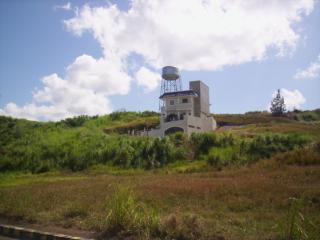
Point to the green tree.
(278, 106)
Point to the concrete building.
(182, 110)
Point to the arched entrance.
(173, 130)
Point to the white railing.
(179, 106)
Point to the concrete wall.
(201, 104)
(189, 124)
(204, 124)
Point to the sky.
(60, 59)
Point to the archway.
(173, 130)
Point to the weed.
(296, 225)
(74, 210)
(185, 227)
(127, 216)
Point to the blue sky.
(60, 58)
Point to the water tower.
(170, 80)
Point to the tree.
(278, 106)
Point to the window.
(185, 100)
(171, 102)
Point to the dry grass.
(237, 204)
(249, 118)
(311, 129)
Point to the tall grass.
(239, 152)
(296, 225)
(309, 155)
(126, 215)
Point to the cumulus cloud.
(104, 75)
(312, 71)
(292, 99)
(148, 79)
(84, 90)
(192, 35)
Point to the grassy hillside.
(256, 177)
(265, 117)
(80, 142)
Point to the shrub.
(202, 142)
(116, 115)
(302, 156)
(221, 157)
(264, 146)
(76, 121)
(179, 139)
(214, 159)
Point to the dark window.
(172, 117)
(185, 100)
(171, 102)
(190, 126)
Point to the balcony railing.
(174, 117)
(179, 106)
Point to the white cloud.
(66, 7)
(148, 79)
(105, 75)
(192, 35)
(292, 99)
(84, 90)
(313, 71)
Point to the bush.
(202, 142)
(264, 146)
(221, 157)
(302, 156)
(214, 160)
(76, 121)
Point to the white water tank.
(170, 73)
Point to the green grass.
(21, 178)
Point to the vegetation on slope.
(78, 143)
(183, 196)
